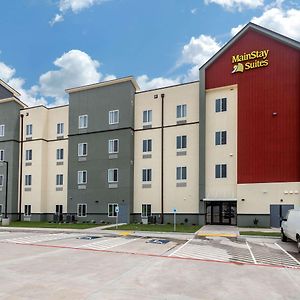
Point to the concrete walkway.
(218, 230)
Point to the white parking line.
(180, 247)
(292, 257)
(254, 260)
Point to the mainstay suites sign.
(248, 61)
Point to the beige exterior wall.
(221, 188)
(44, 142)
(184, 199)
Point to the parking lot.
(106, 266)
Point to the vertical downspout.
(21, 170)
(162, 158)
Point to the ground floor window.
(82, 210)
(59, 209)
(1, 180)
(112, 209)
(27, 211)
(146, 210)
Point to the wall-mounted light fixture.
(243, 199)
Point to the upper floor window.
(181, 142)
(147, 145)
(221, 171)
(28, 154)
(112, 175)
(147, 175)
(83, 121)
(59, 179)
(1, 155)
(147, 116)
(113, 117)
(60, 154)
(221, 104)
(221, 137)
(181, 173)
(1, 180)
(82, 149)
(29, 129)
(113, 146)
(2, 130)
(28, 180)
(181, 111)
(82, 177)
(60, 128)
(82, 210)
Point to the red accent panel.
(268, 146)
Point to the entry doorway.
(221, 213)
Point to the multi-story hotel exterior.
(221, 150)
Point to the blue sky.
(47, 46)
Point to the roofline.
(8, 87)
(43, 106)
(13, 99)
(103, 83)
(167, 87)
(277, 36)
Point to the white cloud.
(237, 4)
(6, 72)
(146, 83)
(286, 22)
(194, 11)
(56, 19)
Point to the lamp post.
(6, 222)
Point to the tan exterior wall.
(184, 199)
(221, 188)
(44, 141)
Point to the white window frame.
(146, 143)
(59, 179)
(181, 111)
(83, 121)
(148, 175)
(180, 144)
(29, 129)
(111, 146)
(28, 155)
(112, 171)
(81, 148)
(80, 177)
(221, 172)
(60, 129)
(146, 210)
(2, 130)
(1, 180)
(221, 105)
(113, 210)
(28, 180)
(113, 117)
(2, 155)
(60, 154)
(27, 210)
(220, 138)
(148, 119)
(80, 212)
(181, 173)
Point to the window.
(81, 210)
(113, 117)
(29, 129)
(0, 209)
(221, 171)
(2, 130)
(147, 116)
(221, 104)
(59, 179)
(82, 177)
(146, 210)
(28, 154)
(113, 146)
(60, 129)
(60, 154)
(1, 180)
(27, 212)
(1, 155)
(181, 173)
(112, 175)
(181, 111)
(83, 121)
(28, 180)
(82, 149)
(58, 209)
(147, 175)
(221, 137)
(112, 209)
(147, 145)
(181, 142)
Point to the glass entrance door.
(221, 212)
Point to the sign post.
(174, 211)
(117, 217)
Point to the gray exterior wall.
(97, 103)
(247, 220)
(9, 116)
(4, 93)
